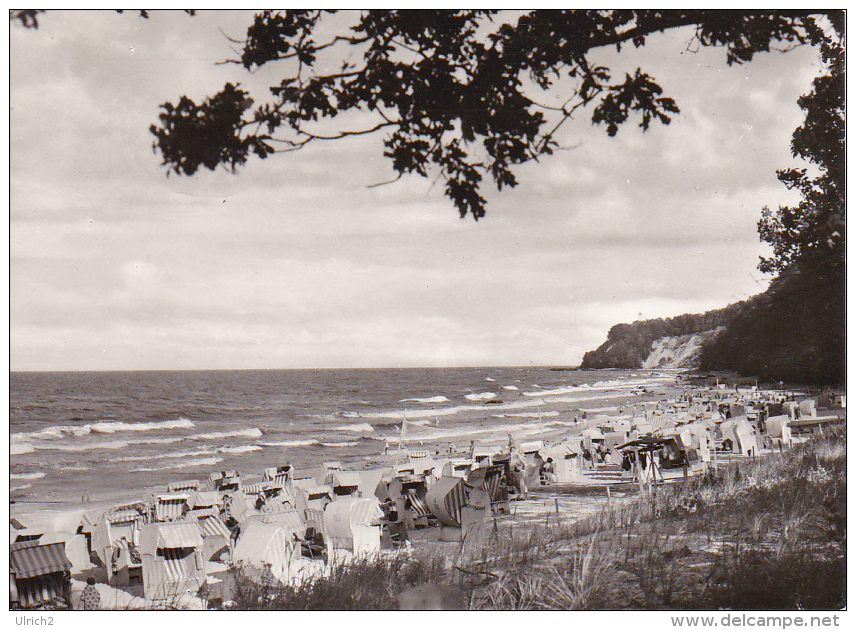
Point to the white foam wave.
(24, 487)
(528, 414)
(22, 448)
(553, 392)
(79, 448)
(427, 401)
(287, 443)
(360, 428)
(216, 435)
(487, 378)
(64, 431)
(482, 396)
(33, 475)
(340, 444)
(113, 427)
(167, 440)
(248, 448)
(175, 454)
(500, 408)
(204, 461)
(51, 433)
(512, 388)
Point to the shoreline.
(56, 512)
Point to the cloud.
(296, 262)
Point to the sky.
(297, 262)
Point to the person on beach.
(90, 599)
(518, 473)
(546, 473)
(386, 447)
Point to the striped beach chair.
(498, 493)
(417, 510)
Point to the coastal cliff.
(679, 352)
(630, 346)
(794, 331)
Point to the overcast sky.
(296, 262)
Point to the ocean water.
(101, 433)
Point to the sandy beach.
(593, 488)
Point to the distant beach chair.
(496, 489)
(280, 475)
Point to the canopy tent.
(279, 474)
(38, 573)
(567, 460)
(260, 488)
(369, 480)
(741, 433)
(115, 526)
(225, 480)
(791, 408)
(216, 539)
(309, 495)
(205, 499)
(171, 507)
(124, 567)
(238, 507)
(778, 429)
(178, 486)
(345, 483)
(30, 559)
(408, 493)
(458, 467)
(294, 521)
(352, 524)
(446, 498)
(736, 410)
(808, 408)
(263, 552)
(172, 559)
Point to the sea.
(84, 435)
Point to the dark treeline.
(795, 331)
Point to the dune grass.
(768, 533)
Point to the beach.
(71, 431)
(432, 431)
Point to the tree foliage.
(812, 233)
(794, 331)
(462, 95)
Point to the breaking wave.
(64, 431)
(427, 401)
(309, 442)
(203, 461)
(33, 475)
(484, 396)
(216, 435)
(361, 428)
(248, 448)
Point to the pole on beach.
(401, 433)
